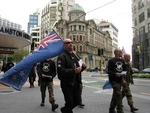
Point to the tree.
(19, 55)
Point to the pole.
(101, 65)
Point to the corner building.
(87, 39)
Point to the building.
(7, 23)
(87, 39)
(52, 12)
(12, 37)
(141, 33)
(34, 20)
(113, 31)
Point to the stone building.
(87, 39)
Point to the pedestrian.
(48, 72)
(32, 76)
(9, 65)
(38, 73)
(79, 80)
(126, 91)
(4, 67)
(68, 69)
(116, 67)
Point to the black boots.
(133, 108)
(43, 100)
(54, 106)
(81, 105)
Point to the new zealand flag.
(49, 47)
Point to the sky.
(118, 12)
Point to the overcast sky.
(117, 12)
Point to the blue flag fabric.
(49, 47)
(107, 85)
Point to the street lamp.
(138, 46)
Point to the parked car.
(90, 69)
(135, 70)
(146, 70)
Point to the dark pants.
(127, 92)
(49, 85)
(71, 97)
(116, 100)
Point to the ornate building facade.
(87, 39)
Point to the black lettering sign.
(14, 32)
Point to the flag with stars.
(49, 47)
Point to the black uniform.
(116, 66)
(69, 81)
(48, 68)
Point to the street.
(96, 99)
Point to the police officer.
(67, 69)
(128, 79)
(115, 67)
(48, 72)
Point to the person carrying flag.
(68, 69)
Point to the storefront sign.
(14, 32)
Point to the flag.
(123, 51)
(107, 85)
(49, 47)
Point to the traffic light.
(100, 52)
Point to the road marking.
(84, 81)
(143, 93)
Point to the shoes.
(54, 106)
(133, 108)
(112, 111)
(81, 105)
(42, 104)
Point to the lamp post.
(139, 44)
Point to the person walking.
(126, 91)
(68, 69)
(9, 65)
(32, 76)
(116, 66)
(48, 72)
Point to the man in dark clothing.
(115, 67)
(68, 69)
(128, 79)
(9, 65)
(32, 77)
(48, 72)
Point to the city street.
(96, 99)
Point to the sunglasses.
(68, 42)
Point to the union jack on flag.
(49, 47)
(123, 51)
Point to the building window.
(148, 12)
(80, 37)
(141, 17)
(80, 48)
(148, 27)
(135, 22)
(142, 30)
(141, 4)
(74, 27)
(79, 27)
(74, 38)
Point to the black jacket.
(115, 66)
(47, 67)
(66, 64)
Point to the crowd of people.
(69, 67)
